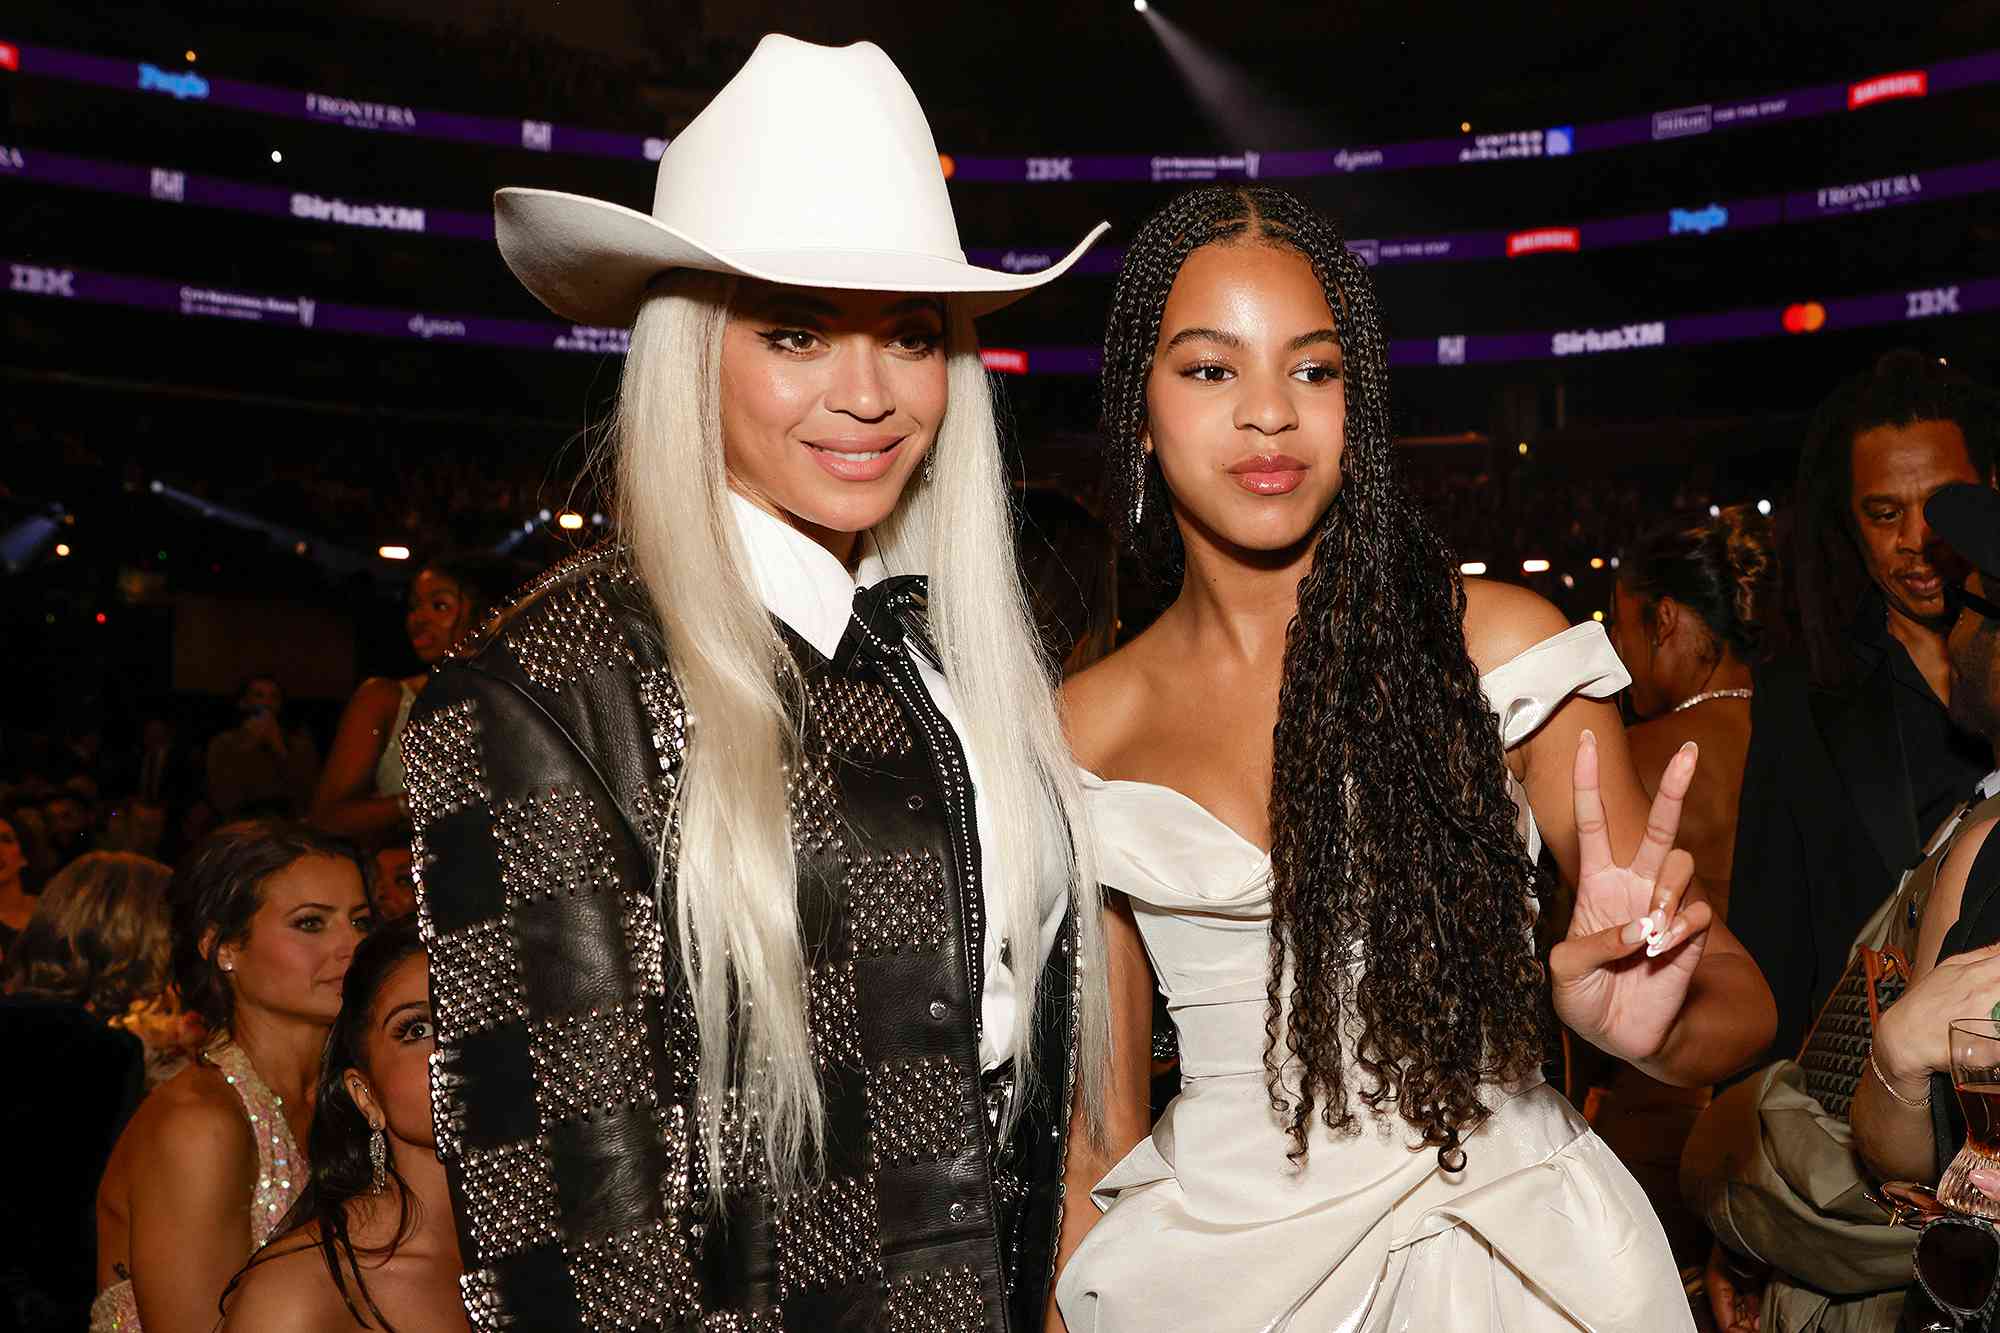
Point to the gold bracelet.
(1889, 1088)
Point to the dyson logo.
(1029, 262)
(181, 87)
(1357, 160)
(425, 327)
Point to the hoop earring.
(1138, 485)
(378, 1161)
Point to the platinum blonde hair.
(734, 904)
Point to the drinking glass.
(1975, 1074)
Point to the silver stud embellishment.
(441, 763)
(896, 903)
(569, 635)
(915, 1113)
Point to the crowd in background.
(152, 887)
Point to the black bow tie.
(886, 616)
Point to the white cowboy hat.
(813, 167)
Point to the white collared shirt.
(801, 583)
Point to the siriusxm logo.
(1696, 221)
(153, 79)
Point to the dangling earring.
(378, 1160)
(1138, 485)
(930, 464)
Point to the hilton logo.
(1682, 122)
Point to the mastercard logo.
(945, 164)
(1808, 317)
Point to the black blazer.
(1826, 826)
(542, 762)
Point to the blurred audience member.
(1854, 762)
(1688, 620)
(361, 793)
(259, 768)
(135, 825)
(96, 947)
(266, 915)
(31, 827)
(16, 903)
(66, 813)
(1907, 1109)
(371, 1239)
(1830, 817)
(1069, 567)
(393, 882)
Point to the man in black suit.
(1854, 759)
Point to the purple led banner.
(334, 107)
(306, 312)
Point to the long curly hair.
(1402, 896)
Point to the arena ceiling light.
(393, 552)
(1534, 566)
(569, 520)
(1473, 567)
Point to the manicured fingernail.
(1691, 749)
(1662, 943)
(1588, 737)
(1636, 930)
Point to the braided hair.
(1402, 897)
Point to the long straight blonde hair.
(734, 901)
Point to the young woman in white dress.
(1362, 1140)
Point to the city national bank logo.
(36, 281)
(427, 328)
(1051, 168)
(1582, 342)
(1864, 195)
(360, 115)
(1030, 262)
(379, 217)
(1451, 350)
(169, 187)
(1932, 301)
(1696, 221)
(1888, 88)
(1543, 240)
(1207, 168)
(591, 338)
(1683, 121)
(181, 87)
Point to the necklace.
(1706, 695)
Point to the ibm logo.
(169, 187)
(537, 135)
(42, 281)
(1932, 301)
(1451, 350)
(1051, 168)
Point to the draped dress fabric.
(1209, 1226)
(281, 1177)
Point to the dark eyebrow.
(1305, 340)
(407, 1004)
(324, 907)
(1202, 335)
(783, 305)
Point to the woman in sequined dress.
(265, 919)
(370, 1242)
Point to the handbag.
(1835, 1053)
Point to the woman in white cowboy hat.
(754, 917)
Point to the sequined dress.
(280, 1177)
(1208, 1227)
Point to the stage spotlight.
(62, 549)
(1764, 508)
(568, 521)
(277, 158)
(190, 56)
(1534, 566)
(1139, 6)
(1715, 511)
(393, 552)
(1597, 562)
(1473, 567)
(1465, 127)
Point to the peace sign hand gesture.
(1622, 975)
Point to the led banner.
(173, 186)
(1455, 349)
(1696, 219)
(334, 107)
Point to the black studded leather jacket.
(541, 764)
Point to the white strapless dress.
(1209, 1227)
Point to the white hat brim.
(590, 260)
